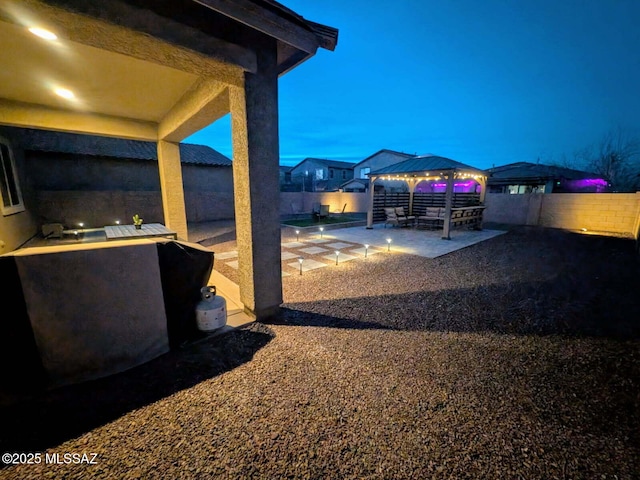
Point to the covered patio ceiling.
(138, 69)
(160, 70)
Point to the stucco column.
(175, 216)
(254, 129)
(448, 203)
(370, 210)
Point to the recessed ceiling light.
(64, 93)
(42, 33)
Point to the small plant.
(137, 221)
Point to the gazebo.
(428, 168)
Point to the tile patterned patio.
(424, 243)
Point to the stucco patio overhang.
(428, 167)
(160, 71)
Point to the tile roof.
(425, 163)
(72, 143)
(385, 150)
(535, 171)
(328, 163)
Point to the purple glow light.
(458, 187)
(588, 184)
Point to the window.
(9, 188)
(344, 174)
(331, 173)
(319, 174)
(364, 171)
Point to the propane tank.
(211, 311)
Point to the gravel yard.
(515, 358)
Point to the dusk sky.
(482, 82)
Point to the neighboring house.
(286, 185)
(97, 180)
(524, 177)
(381, 159)
(321, 175)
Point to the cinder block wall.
(302, 202)
(615, 213)
(602, 212)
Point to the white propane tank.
(211, 312)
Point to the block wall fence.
(604, 213)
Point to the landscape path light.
(337, 253)
(366, 249)
(388, 244)
(300, 259)
(321, 230)
(297, 235)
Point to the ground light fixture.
(321, 230)
(300, 260)
(81, 224)
(117, 222)
(388, 244)
(297, 235)
(337, 254)
(366, 249)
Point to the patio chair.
(433, 217)
(408, 218)
(393, 218)
(320, 211)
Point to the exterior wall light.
(64, 93)
(43, 33)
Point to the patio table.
(122, 232)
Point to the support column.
(171, 187)
(412, 188)
(254, 129)
(448, 203)
(483, 188)
(371, 195)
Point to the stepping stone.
(318, 240)
(285, 274)
(314, 250)
(288, 255)
(307, 265)
(292, 244)
(343, 257)
(339, 245)
(233, 264)
(225, 255)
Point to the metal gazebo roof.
(427, 165)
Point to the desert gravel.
(516, 358)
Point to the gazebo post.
(448, 203)
(483, 188)
(412, 188)
(370, 210)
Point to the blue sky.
(483, 82)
